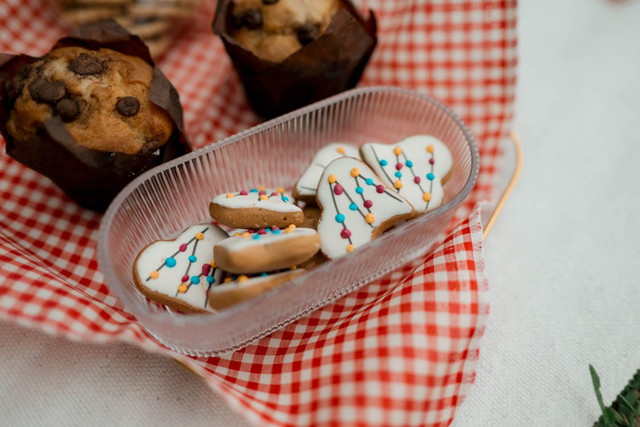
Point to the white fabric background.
(562, 260)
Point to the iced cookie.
(256, 208)
(415, 167)
(235, 289)
(266, 249)
(305, 188)
(180, 273)
(356, 206)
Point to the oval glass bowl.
(171, 197)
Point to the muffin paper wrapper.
(332, 63)
(90, 177)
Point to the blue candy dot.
(253, 190)
(369, 181)
(264, 274)
(170, 262)
(353, 207)
(276, 231)
(195, 280)
(383, 162)
(398, 174)
(211, 279)
(340, 218)
(409, 163)
(256, 236)
(193, 258)
(268, 230)
(285, 199)
(430, 176)
(359, 190)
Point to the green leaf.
(608, 414)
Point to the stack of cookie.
(346, 197)
(152, 20)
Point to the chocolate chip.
(307, 33)
(269, 2)
(253, 19)
(128, 106)
(46, 91)
(67, 109)
(85, 65)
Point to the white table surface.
(562, 260)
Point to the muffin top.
(102, 96)
(274, 29)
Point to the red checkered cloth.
(399, 351)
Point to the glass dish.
(169, 198)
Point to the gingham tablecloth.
(400, 351)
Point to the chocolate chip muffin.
(274, 29)
(102, 96)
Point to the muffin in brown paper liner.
(91, 177)
(331, 63)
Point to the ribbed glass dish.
(171, 197)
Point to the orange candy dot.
(355, 172)
(230, 196)
(430, 149)
(199, 236)
(264, 197)
(369, 218)
(227, 279)
(245, 234)
(213, 264)
(295, 267)
(280, 190)
(154, 274)
(426, 197)
(261, 188)
(350, 248)
(290, 228)
(340, 150)
(183, 288)
(397, 151)
(236, 234)
(397, 184)
(242, 278)
(332, 179)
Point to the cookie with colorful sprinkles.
(181, 273)
(255, 251)
(416, 167)
(256, 208)
(235, 289)
(356, 206)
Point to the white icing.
(386, 206)
(281, 202)
(308, 181)
(154, 257)
(414, 149)
(239, 243)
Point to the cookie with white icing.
(356, 206)
(305, 188)
(236, 289)
(256, 208)
(416, 167)
(180, 273)
(266, 249)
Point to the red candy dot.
(243, 193)
(274, 194)
(432, 160)
(206, 268)
(367, 204)
(262, 231)
(262, 192)
(345, 234)
(380, 188)
(184, 278)
(399, 166)
(416, 180)
(183, 247)
(275, 227)
(338, 190)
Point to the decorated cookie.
(305, 188)
(235, 289)
(356, 206)
(416, 168)
(256, 208)
(180, 273)
(311, 216)
(266, 249)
